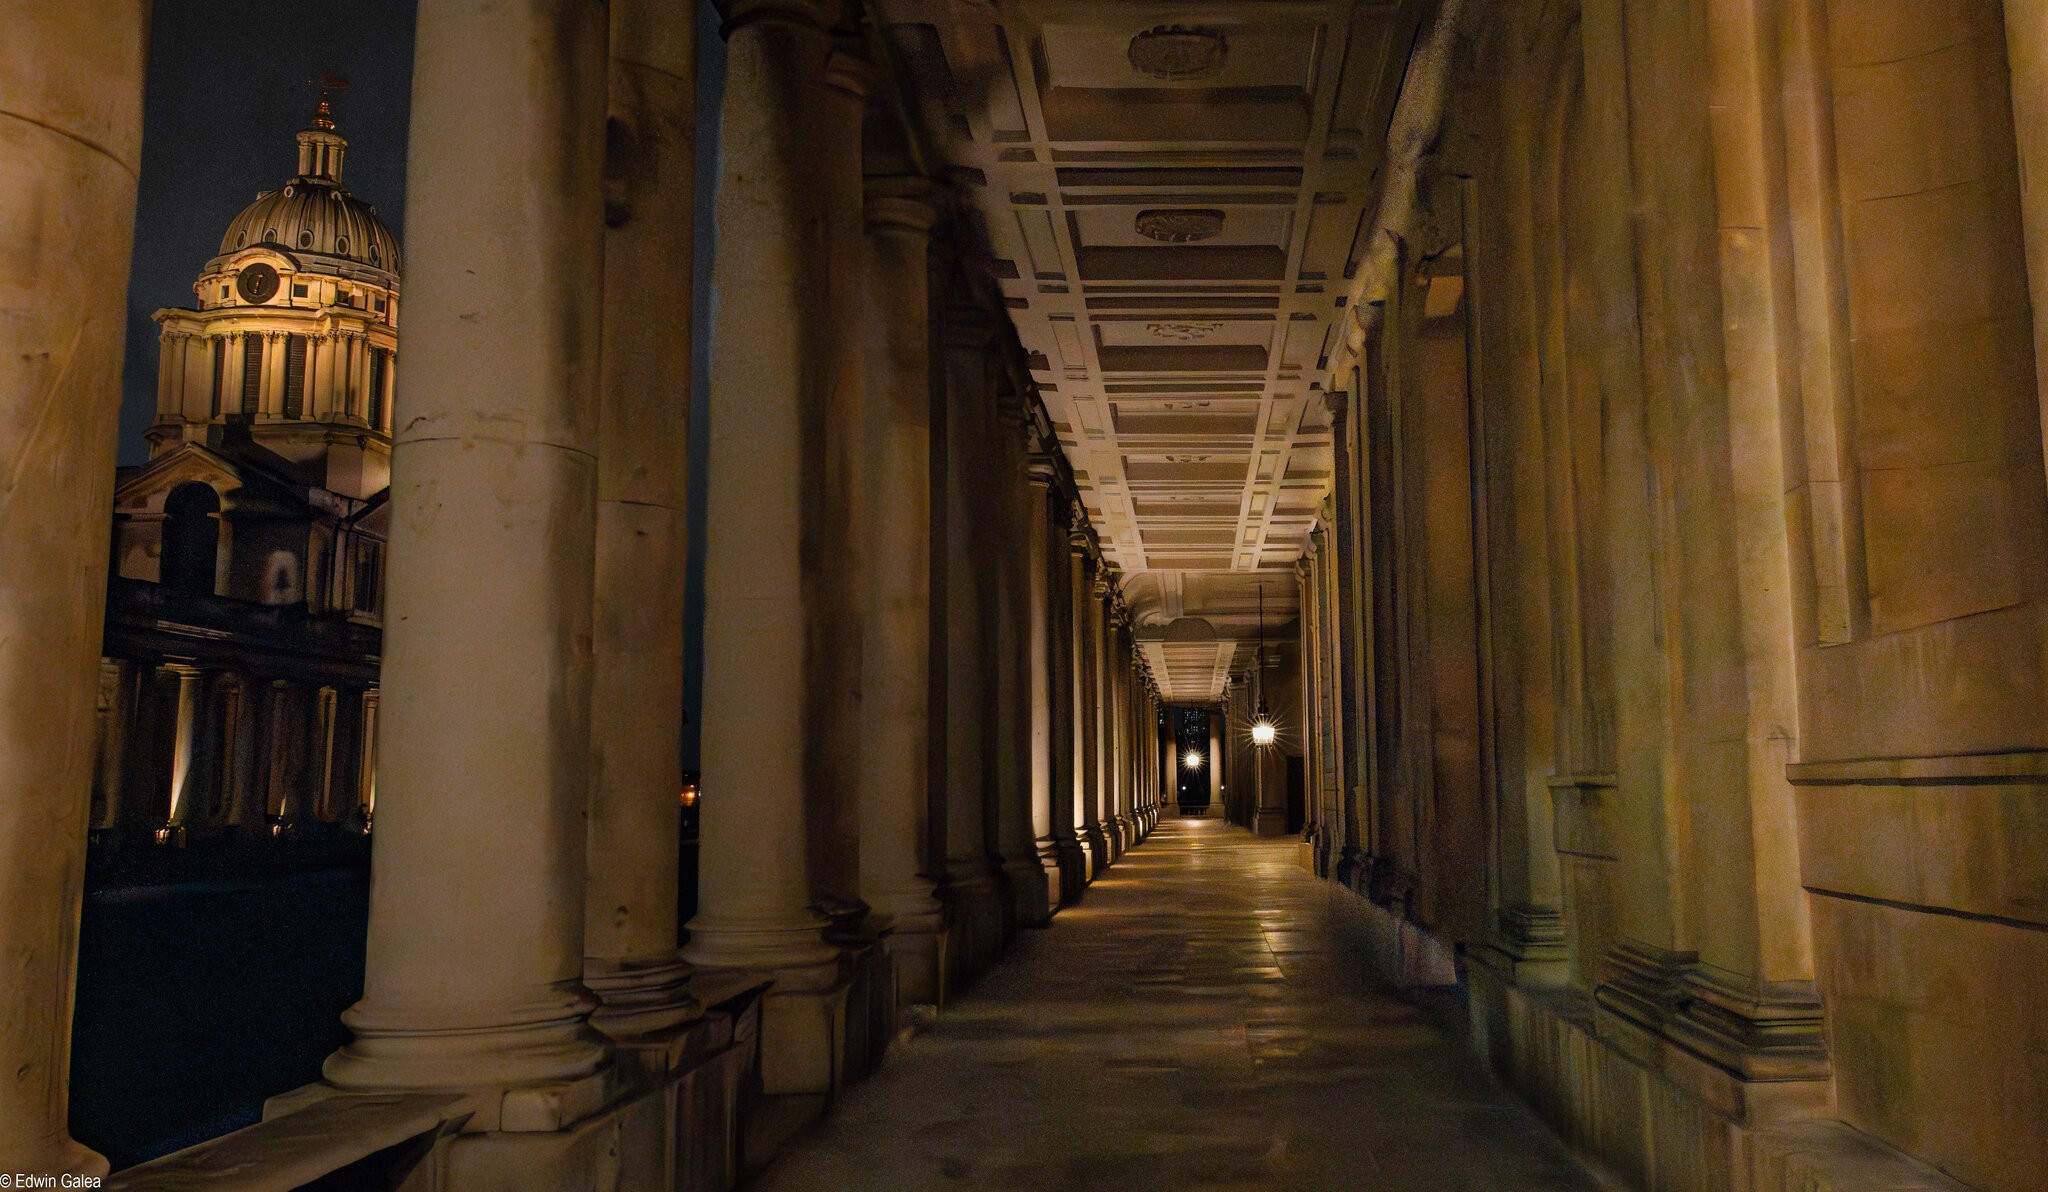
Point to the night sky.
(229, 85)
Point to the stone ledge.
(1832, 1157)
(323, 1136)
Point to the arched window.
(191, 538)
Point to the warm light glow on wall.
(1193, 761)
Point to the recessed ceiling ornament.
(1179, 225)
(1183, 331)
(1176, 52)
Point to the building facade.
(238, 689)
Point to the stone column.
(1215, 764)
(1042, 671)
(1120, 739)
(971, 882)
(2026, 52)
(1352, 864)
(475, 956)
(1088, 835)
(895, 755)
(1170, 760)
(1104, 760)
(834, 516)
(185, 770)
(1072, 857)
(636, 691)
(1017, 684)
(1150, 754)
(769, 391)
(70, 136)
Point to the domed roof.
(314, 215)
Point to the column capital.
(1040, 469)
(966, 327)
(847, 72)
(1338, 402)
(901, 203)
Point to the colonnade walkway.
(1197, 1022)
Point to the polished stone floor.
(1193, 1024)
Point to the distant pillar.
(756, 904)
(1081, 604)
(1018, 686)
(1039, 656)
(636, 693)
(1122, 681)
(1170, 767)
(70, 136)
(1104, 717)
(186, 773)
(475, 957)
(1071, 855)
(895, 756)
(1215, 806)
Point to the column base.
(547, 1072)
(975, 935)
(1030, 897)
(639, 999)
(1049, 861)
(914, 939)
(1634, 1102)
(1070, 862)
(1096, 842)
(803, 1029)
(674, 1126)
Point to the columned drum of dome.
(296, 331)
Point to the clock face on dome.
(257, 283)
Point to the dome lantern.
(320, 147)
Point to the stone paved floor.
(1193, 1024)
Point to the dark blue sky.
(227, 89)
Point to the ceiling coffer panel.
(1174, 199)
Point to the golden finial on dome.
(323, 115)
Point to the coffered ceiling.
(1174, 196)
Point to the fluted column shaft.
(1039, 670)
(1071, 856)
(1123, 683)
(1104, 760)
(974, 887)
(837, 720)
(70, 138)
(1014, 726)
(475, 955)
(1081, 600)
(769, 393)
(629, 923)
(895, 754)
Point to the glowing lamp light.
(1262, 732)
(690, 794)
(1193, 761)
